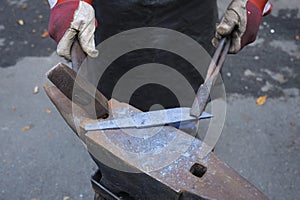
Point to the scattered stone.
(18, 3)
(267, 87)
(289, 46)
(279, 78)
(4, 128)
(48, 111)
(66, 198)
(261, 100)
(24, 6)
(45, 34)
(291, 92)
(259, 79)
(248, 72)
(289, 71)
(2, 42)
(13, 108)
(21, 22)
(282, 98)
(36, 90)
(276, 76)
(26, 128)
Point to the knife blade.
(147, 119)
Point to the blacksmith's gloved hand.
(71, 18)
(241, 21)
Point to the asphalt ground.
(42, 159)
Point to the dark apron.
(195, 18)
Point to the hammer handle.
(77, 55)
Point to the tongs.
(203, 94)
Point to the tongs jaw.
(214, 68)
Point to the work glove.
(241, 21)
(71, 18)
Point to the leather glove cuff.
(58, 24)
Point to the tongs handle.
(218, 58)
(214, 68)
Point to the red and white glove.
(71, 18)
(241, 21)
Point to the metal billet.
(147, 119)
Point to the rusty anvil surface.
(154, 163)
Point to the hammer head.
(79, 90)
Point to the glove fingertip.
(228, 23)
(218, 36)
(65, 44)
(215, 42)
(93, 53)
(90, 51)
(235, 45)
(224, 29)
(64, 54)
(232, 50)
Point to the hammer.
(66, 80)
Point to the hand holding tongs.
(214, 68)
